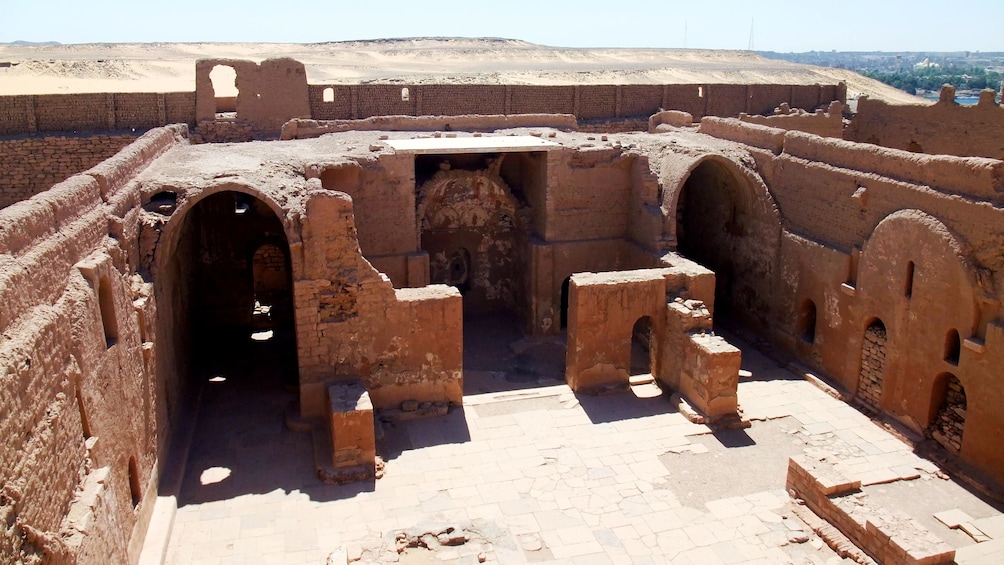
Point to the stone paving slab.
(563, 480)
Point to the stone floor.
(541, 475)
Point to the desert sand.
(169, 67)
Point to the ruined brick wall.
(943, 128)
(910, 239)
(76, 368)
(33, 164)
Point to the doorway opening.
(641, 346)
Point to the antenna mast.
(751, 35)
(685, 34)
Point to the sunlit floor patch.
(218, 379)
(214, 475)
(262, 335)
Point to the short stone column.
(353, 440)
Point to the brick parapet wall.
(32, 114)
(33, 164)
(587, 102)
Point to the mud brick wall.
(542, 99)
(640, 100)
(17, 114)
(725, 99)
(690, 98)
(77, 377)
(94, 112)
(460, 99)
(763, 97)
(75, 112)
(179, 108)
(382, 100)
(338, 109)
(599, 101)
(31, 165)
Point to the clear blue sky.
(850, 25)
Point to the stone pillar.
(353, 440)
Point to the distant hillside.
(33, 43)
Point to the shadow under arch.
(721, 215)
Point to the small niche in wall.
(134, 489)
(84, 421)
(908, 287)
(807, 321)
(953, 347)
(107, 308)
(328, 95)
(405, 95)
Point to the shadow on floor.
(623, 406)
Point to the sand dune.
(164, 67)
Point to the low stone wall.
(33, 164)
(888, 538)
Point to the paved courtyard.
(542, 475)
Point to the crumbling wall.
(76, 369)
(944, 128)
(34, 164)
(402, 344)
(685, 356)
(829, 123)
(269, 93)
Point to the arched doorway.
(228, 294)
(724, 224)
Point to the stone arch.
(469, 223)
(720, 214)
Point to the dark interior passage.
(240, 302)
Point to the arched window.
(908, 288)
(134, 489)
(107, 306)
(953, 347)
(329, 95)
